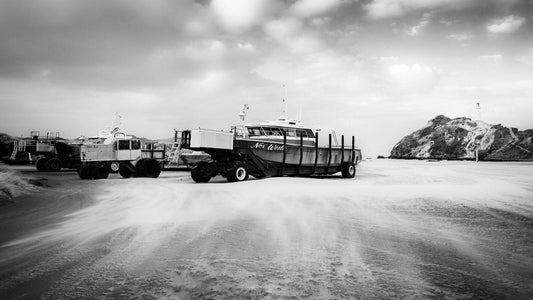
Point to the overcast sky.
(377, 69)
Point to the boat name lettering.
(268, 147)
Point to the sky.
(376, 69)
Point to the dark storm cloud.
(83, 40)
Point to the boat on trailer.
(272, 148)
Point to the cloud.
(507, 24)
(237, 16)
(380, 9)
(419, 28)
(526, 59)
(291, 33)
(387, 60)
(309, 8)
(490, 59)
(246, 47)
(414, 77)
(447, 22)
(74, 40)
(461, 37)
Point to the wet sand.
(400, 229)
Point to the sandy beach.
(399, 230)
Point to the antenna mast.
(285, 101)
(116, 124)
(242, 115)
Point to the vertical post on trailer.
(301, 151)
(353, 149)
(164, 156)
(316, 153)
(329, 154)
(342, 149)
(284, 152)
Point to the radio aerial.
(242, 114)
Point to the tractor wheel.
(348, 169)
(124, 171)
(239, 173)
(42, 164)
(199, 172)
(84, 172)
(115, 166)
(152, 168)
(139, 168)
(54, 165)
(100, 172)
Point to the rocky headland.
(445, 138)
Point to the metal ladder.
(19, 146)
(174, 156)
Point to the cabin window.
(238, 131)
(300, 133)
(291, 132)
(276, 132)
(309, 133)
(135, 144)
(123, 145)
(254, 131)
(268, 131)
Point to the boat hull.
(292, 159)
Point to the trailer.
(273, 148)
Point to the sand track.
(401, 229)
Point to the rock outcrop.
(445, 138)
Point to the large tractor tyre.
(125, 171)
(199, 172)
(139, 168)
(152, 168)
(84, 172)
(100, 172)
(348, 169)
(239, 173)
(42, 164)
(54, 165)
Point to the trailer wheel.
(124, 171)
(42, 164)
(238, 174)
(84, 172)
(54, 165)
(348, 169)
(100, 172)
(199, 173)
(152, 168)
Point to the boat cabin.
(271, 129)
